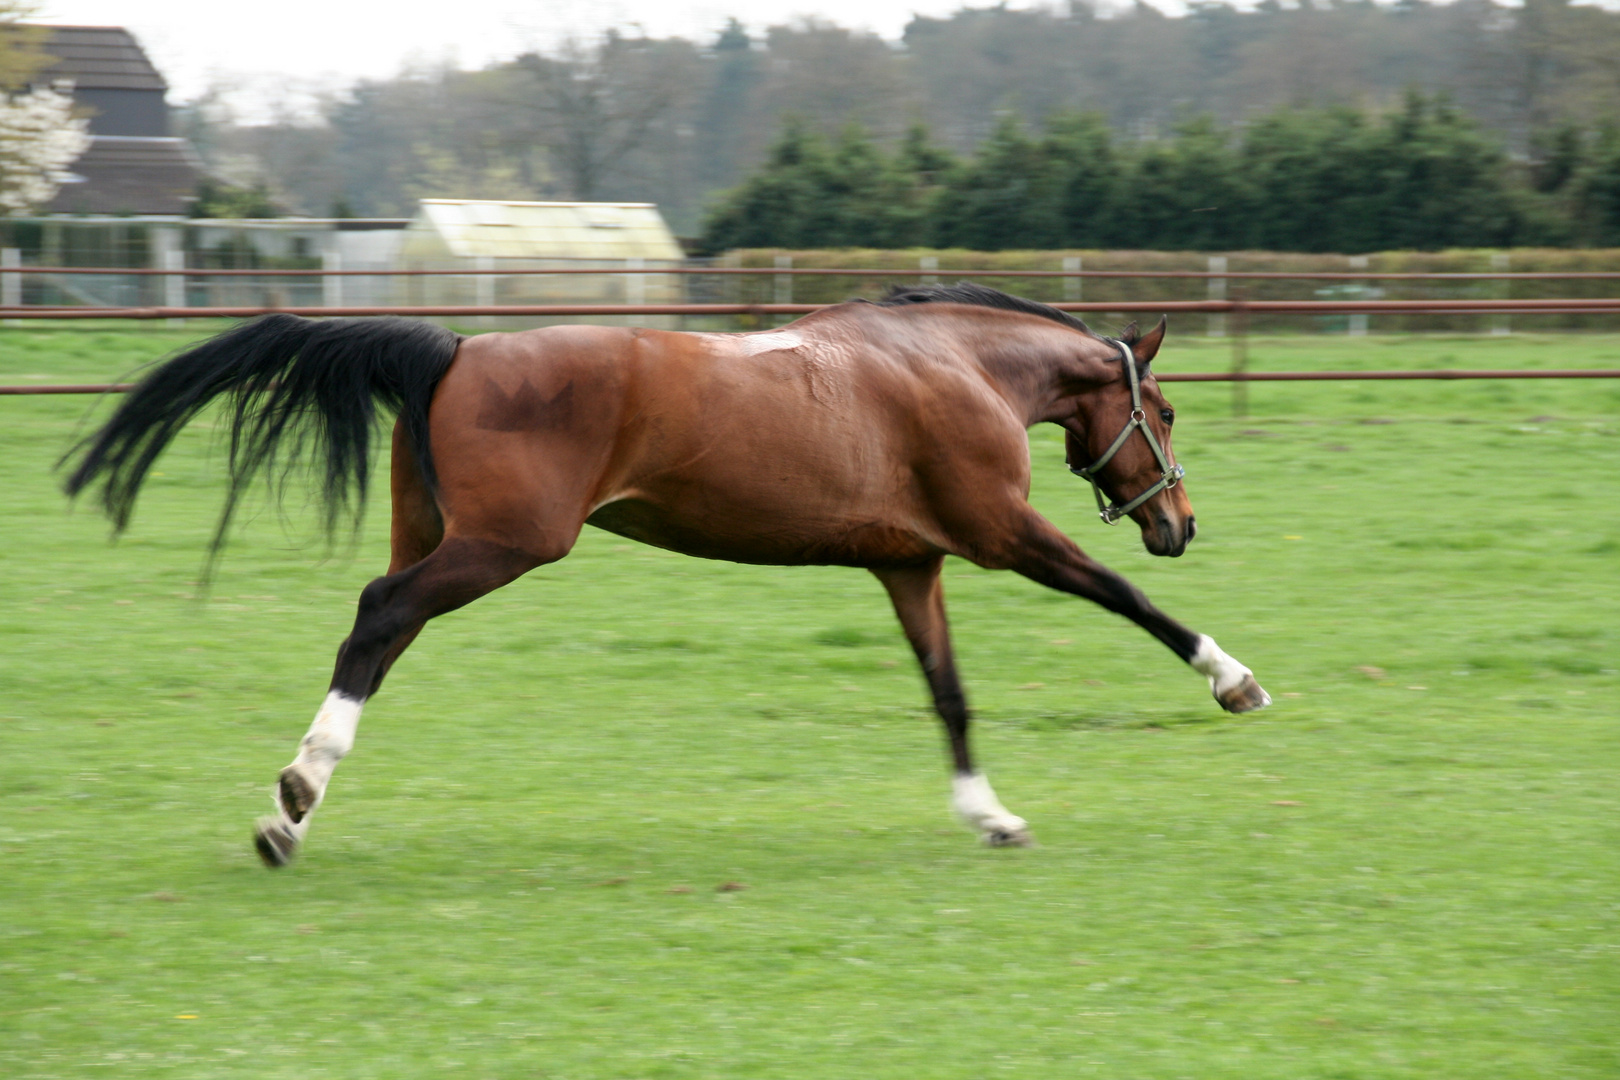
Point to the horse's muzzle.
(1169, 538)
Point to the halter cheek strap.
(1169, 475)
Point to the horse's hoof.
(274, 842)
(295, 793)
(1246, 696)
(1008, 838)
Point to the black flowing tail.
(288, 380)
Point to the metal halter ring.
(1169, 475)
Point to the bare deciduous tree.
(594, 105)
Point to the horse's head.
(1119, 439)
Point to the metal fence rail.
(1442, 374)
(1233, 301)
(823, 271)
(1239, 306)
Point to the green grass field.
(1405, 868)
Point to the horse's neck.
(1026, 363)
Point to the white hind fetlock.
(299, 791)
(976, 804)
(331, 733)
(302, 785)
(329, 740)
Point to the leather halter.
(1169, 476)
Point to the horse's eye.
(1168, 416)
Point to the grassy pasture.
(1405, 868)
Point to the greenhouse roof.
(475, 228)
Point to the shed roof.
(99, 58)
(129, 175)
(473, 228)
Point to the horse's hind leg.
(392, 610)
(417, 528)
(919, 601)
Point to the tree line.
(672, 121)
(1420, 176)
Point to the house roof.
(99, 58)
(474, 228)
(128, 175)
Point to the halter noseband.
(1169, 476)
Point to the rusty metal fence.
(1229, 313)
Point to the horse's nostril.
(1192, 528)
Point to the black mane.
(966, 292)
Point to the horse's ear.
(1130, 333)
(1146, 347)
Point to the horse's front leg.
(919, 601)
(1044, 554)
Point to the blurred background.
(1342, 128)
(639, 815)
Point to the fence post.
(1500, 261)
(484, 287)
(1240, 355)
(928, 262)
(635, 285)
(331, 287)
(1072, 286)
(174, 285)
(11, 284)
(783, 293)
(167, 252)
(1357, 326)
(51, 254)
(736, 289)
(1217, 291)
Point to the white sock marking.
(1224, 672)
(330, 738)
(975, 802)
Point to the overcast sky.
(289, 48)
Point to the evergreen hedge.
(1420, 177)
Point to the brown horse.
(876, 435)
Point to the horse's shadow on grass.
(1045, 720)
(1098, 721)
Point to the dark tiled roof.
(100, 58)
(131, 176)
